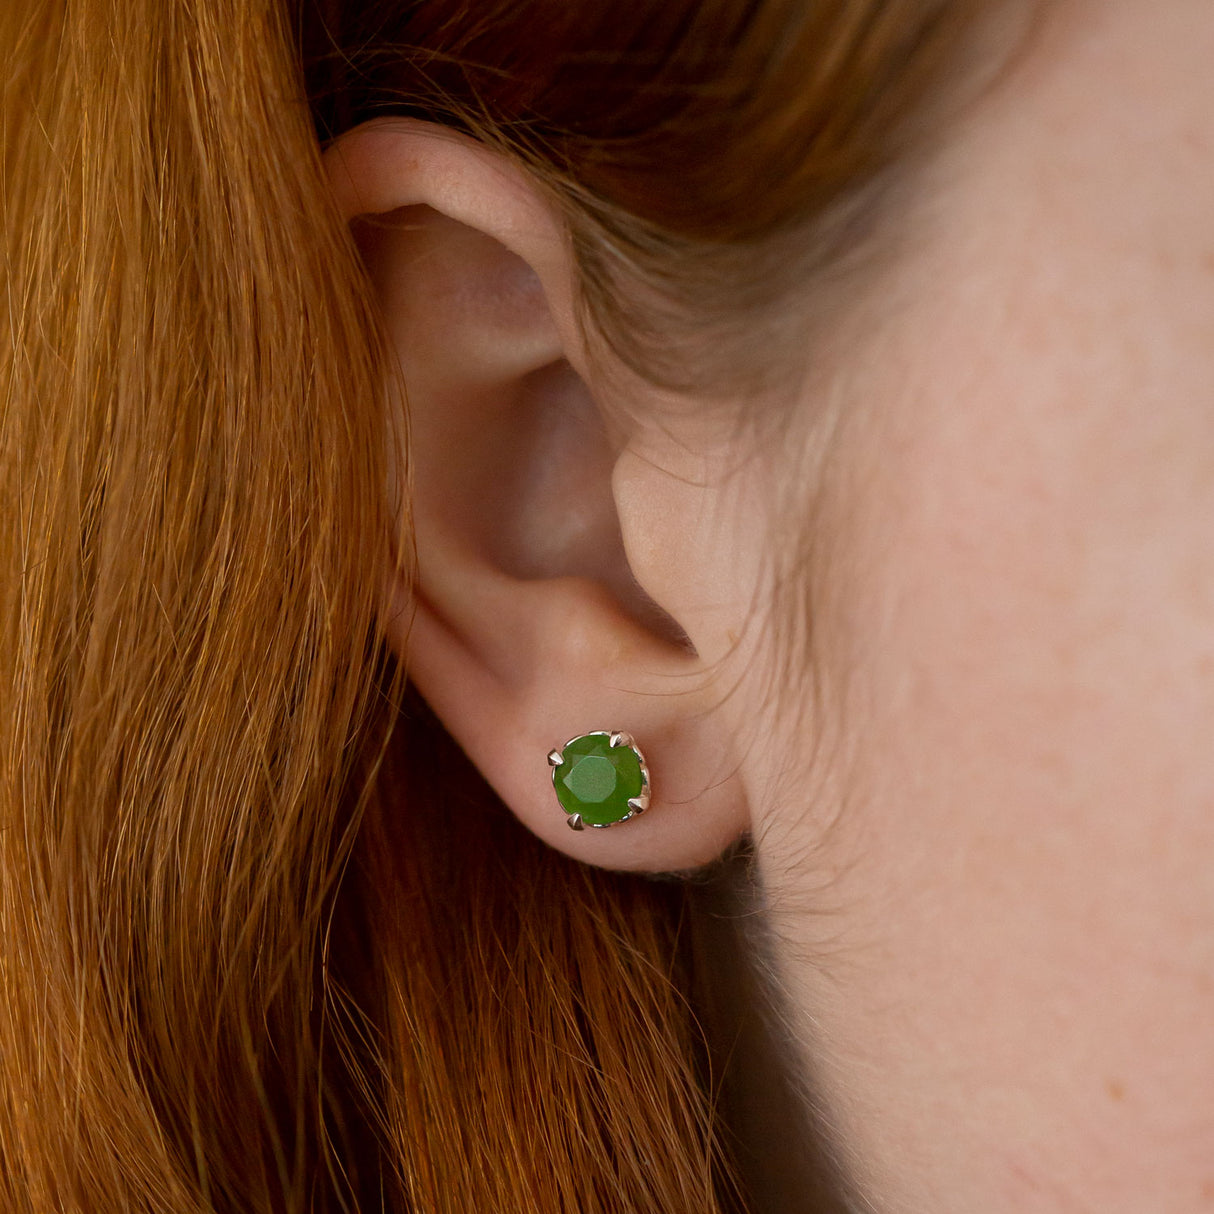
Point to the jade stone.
(596, 779)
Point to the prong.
(575, 822)
(619, 738)
(640, 804)
(555, 758)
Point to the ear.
(528, 624)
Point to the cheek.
(993, 864)
(1023, 848)
(1028, 621)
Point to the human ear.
(532, 620)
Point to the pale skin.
(990, 846)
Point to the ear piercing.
(600, 779)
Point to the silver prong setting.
(616, 739)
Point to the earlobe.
(526, 626)
(527, 666)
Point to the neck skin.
(783, 1154)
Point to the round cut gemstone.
(596, 779)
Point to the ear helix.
(601, 779)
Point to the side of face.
(1004, 927)
(989, 839)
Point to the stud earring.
(600, 779)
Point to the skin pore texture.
(988, 840)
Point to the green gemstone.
(596, 779)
